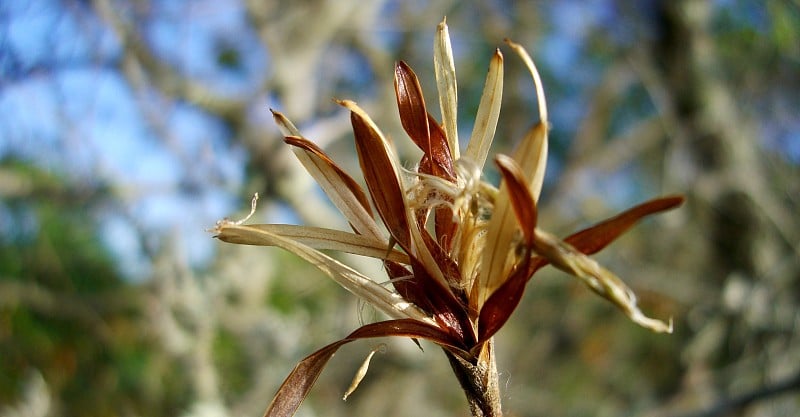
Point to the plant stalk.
(479, 381)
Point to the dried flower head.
(459, 251)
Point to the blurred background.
(128, 128)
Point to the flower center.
(471, 201)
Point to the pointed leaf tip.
(595, 238)
(298, 384)
(537, 80)
(334, 174)
(285, 125)
(502, 303)
(411, 104)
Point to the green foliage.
(301, 287)
(67, 313)
(231, 356)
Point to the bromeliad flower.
(459, 251)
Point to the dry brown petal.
(381, 175)
(411, 104)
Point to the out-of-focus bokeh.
(127, 128)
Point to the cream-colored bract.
(362, 286)
(488, 113)
(446, 85)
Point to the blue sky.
(174, 170)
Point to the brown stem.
(479, 381)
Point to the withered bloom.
(459, 251)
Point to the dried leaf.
(519, 195)
(341, 188)
(340, 176)
(494, 258)
(439, 163)
(411, 104)
(439, 152)
(597, 237)
(368, 290)
(424, 292)
(444, 306)
(488, 112)
(567, 258)
(385, 186)
(362, 371)
(504, 300)
(406, 285)
(423, 251)
(297, 385)
(536, 79)
(593, 239)
(285, 125)
(502, 303)
(314, 237)
(381, 174)
(421, 127)
(343, 191)
(530, 156)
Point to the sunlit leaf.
(504, 300)
(593, 239)
(421, 127)
(378, 164)
(531, 156)
(341, 176)
(343, 191)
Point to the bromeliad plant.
(459, 251)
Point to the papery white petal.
(488, 113)
(317, 238)
(446, 85)
(332, 184)
(368, 290)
